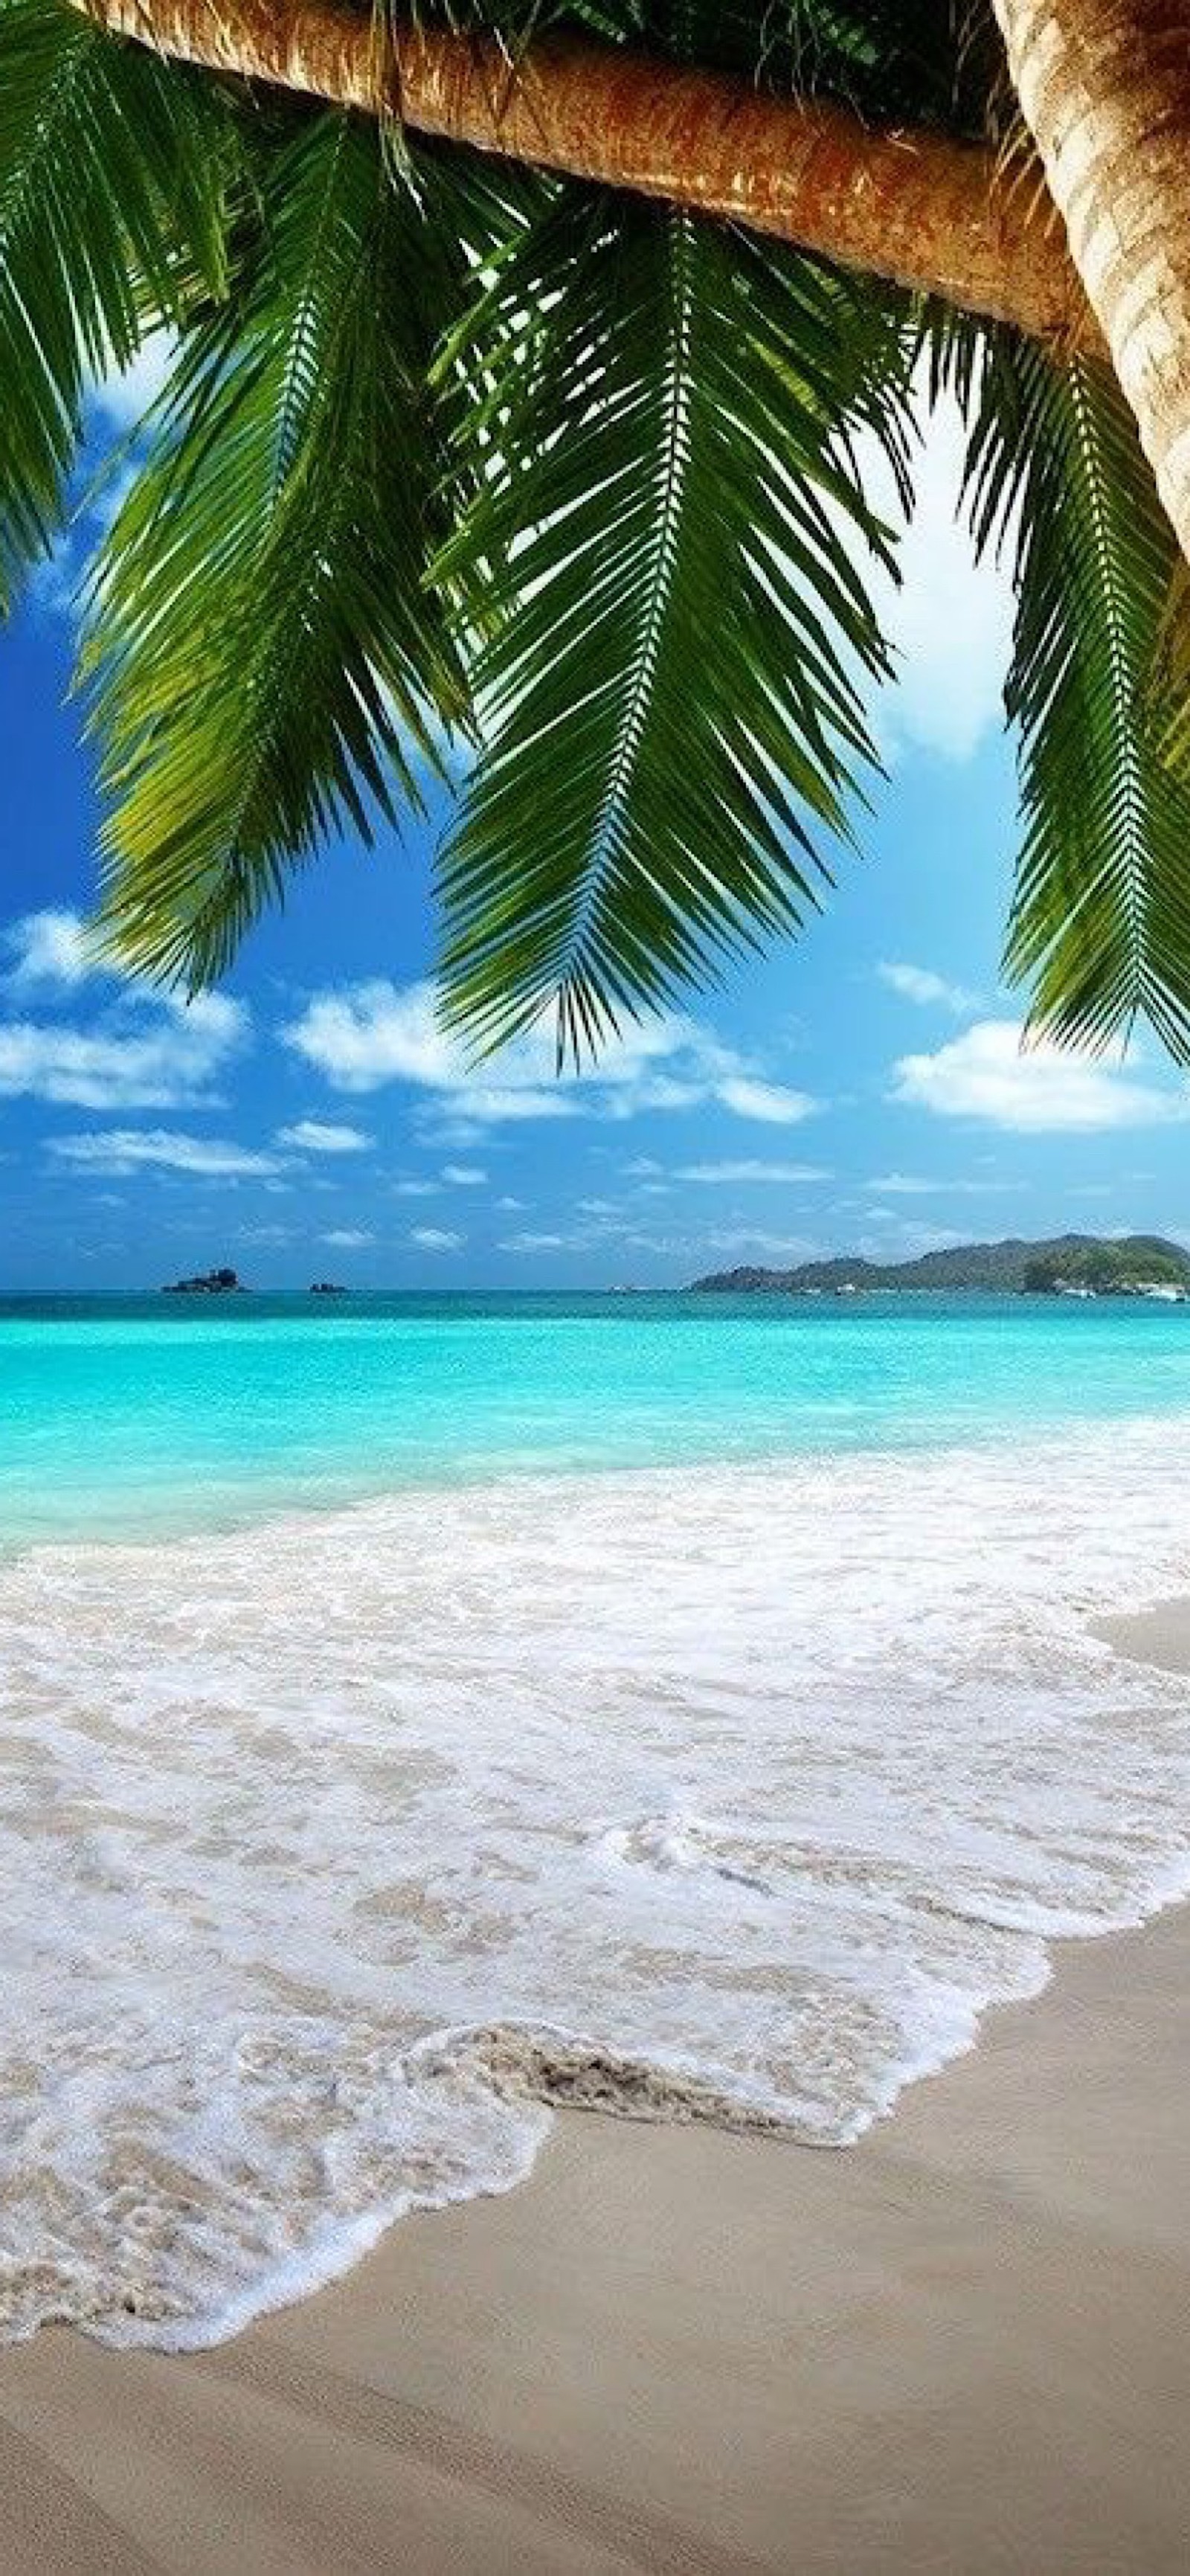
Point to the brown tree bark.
(916, 207)
(1105, 87)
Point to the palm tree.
(562, 464)
(1105, 85)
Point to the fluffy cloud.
(772, 1103)
(436, 1238)
(165, 1063)
(313, 1136)
(348, 1238)
(463, 1176)
(141, 1049)
(130, 1149)
(951, 620)
(1040, 1089)
(374, 1033)
(48, 949)
(921, 984)
(371, 1034)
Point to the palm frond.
(263, 658)
(1167, 696)
(1100, 920)
(931, 60)
(113, 172)
(656, 568)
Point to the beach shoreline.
(960, 2347)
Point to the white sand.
(960, 2348)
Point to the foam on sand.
(337, 1852)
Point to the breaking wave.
(339, 1853)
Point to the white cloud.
(417, 1189)
(313, 1136)
(751, 1171)
(166, 1065)
(48, 948)
(463, 1176)
(1040, 1089)
(124, 397)
(538, 1243)
(371, 1034)
(769, 1102)
(492, 1104)
(144, 1049)
(510, 1206)
(129, 1149)
(921, 984)
(436, 1238)
(374, 1033)
(348, 1238)
(951, 620)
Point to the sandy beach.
(960, 2348)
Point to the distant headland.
(1074, 1265)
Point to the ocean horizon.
(422, 1711)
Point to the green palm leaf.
(656, 568)
(264, 659)
(926, 59)
(1100, 919)
(113, 170)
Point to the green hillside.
(1105, 1263)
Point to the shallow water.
(339, 1842)
(150, 1415)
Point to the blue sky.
(861, 1089)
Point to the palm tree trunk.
(1105, 87)
(919, 208)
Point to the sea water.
(419, 1713)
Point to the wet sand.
(959, 2349)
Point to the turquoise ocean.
(419, 1712)
(126, 1416)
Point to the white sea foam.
(334, 1853)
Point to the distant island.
(1061, 1265)
(327, 1288)
(213, 1283)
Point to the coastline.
(959, 2347)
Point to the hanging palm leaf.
(1100, 920)
(632, 466)
(263, 658)
(114, 171)
(656, 572)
